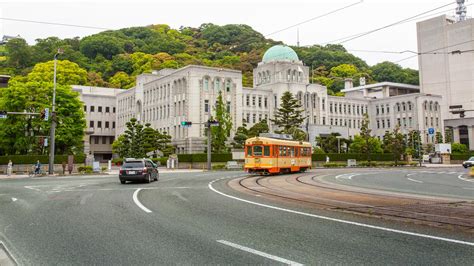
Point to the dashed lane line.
(210, 185)
(259, 253)
(414, 180)
(138, 203)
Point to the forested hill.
(113, 58)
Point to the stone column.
(455, 134)
(471, 137)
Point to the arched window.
(436, 106)
(217, 84)
(259, 79)
(404, 108)
(269, 78)
(431, 106)
(294, 76)
(228, 85)
(300, 76)
(288, 75)
(205, 84)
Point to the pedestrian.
(10, 168)
(327, 159)
(37, 168)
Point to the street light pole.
(53, 118)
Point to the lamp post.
(53, 118)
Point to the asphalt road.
(443, 182)
(195, 218)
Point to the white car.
(468, 163)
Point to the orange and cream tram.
(265, 155)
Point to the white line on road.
(259, 253)
(14, 199)
(465, 179)
(417, 181)
(139, 204)
(339, 220)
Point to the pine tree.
(288, 116)
(222, 132)
(133, 141)
(365, 133)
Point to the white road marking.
(339, 220)
(139, 204)
(347, 176)
(8, 255)
(465, 179)
(259, 253)
(14, 199)
(418, 181)
(411, 174)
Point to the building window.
(265, 102)
(106, 124)
(205, 84)
(247, 100)
(259, 117)
(227, 85)
(107, 109)
(217, 84)
(228, 107)
(104, 140)
(92, 108)
(96, 140)
(324, 121)
(266, 117)
(382, 109)
(248, 118)
(330, 108)
(276, 100)
(253, 100)
(404, 122)
(254, 118)
(85, 108)
(340, 108)
(409, 121)
(114, 110)
(378, 124)
(331, 122)
(432, 124)
(259, 101)
(113, 124)
(399, 123)
(383, 123)
(91, 123)
(426, 121)
(377, 109)
(437, 122)
(388, 123)
(388, 109)
(206, 106)
(100, 109)
(112, 139)
(99, 124)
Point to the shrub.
(117, 161)
(218, 166)
(202, 157)
(333, 165)
(85, 169)
(103, 169)
(44, 159)
(343, 157)
(459, 148)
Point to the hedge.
(44, 159)
(461, 156)
(202, 157)
(340, 157)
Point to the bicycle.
(33, 172)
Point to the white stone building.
(168, 97)
(100, 113)
(446, 67)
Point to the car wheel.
(148, 178)
(156, 177)
(122, 181)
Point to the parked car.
(468, 163)
(138, 170)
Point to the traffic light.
(186, 123)
(3, 114)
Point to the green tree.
(459, 148)
(365, 133)
(67, 73)
(164, 144)
(150, 139)
(19, 54)
(119, 147)
(388, 71)
(100, 44)
(439, 137)
(289, 115)
(448, 133)
(18, 134)
(330, 144)
(241, 135)
(359, 145)
(222, 132)
(134, 139)
(414, 143)
(396, 143)
(121, 80)
(260, 127)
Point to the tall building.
(167, 97)
(100, 113)
(446, 65)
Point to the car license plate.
(131, 172)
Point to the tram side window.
(257, 150)
(291, 151)
(266, 150)
(249, 150)
(281, 149)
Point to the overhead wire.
(54, 23)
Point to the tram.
(273, 155)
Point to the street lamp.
(53, 117)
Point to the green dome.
(280, 53)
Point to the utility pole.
(209, 146)
(53, 117)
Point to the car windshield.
(136, 164)
(471, 159)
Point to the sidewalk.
(430, 165)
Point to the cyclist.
(37, 168)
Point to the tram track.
(294, 188)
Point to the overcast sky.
(264, 16)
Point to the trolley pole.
(209, 146)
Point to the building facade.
(100, 113)
(447, 68)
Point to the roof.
(280, 53)
(278, 141)
(383, 84)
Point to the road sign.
(431, 131)
(46, 114)
(3, 114)
(45, 142)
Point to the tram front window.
(257, 150)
